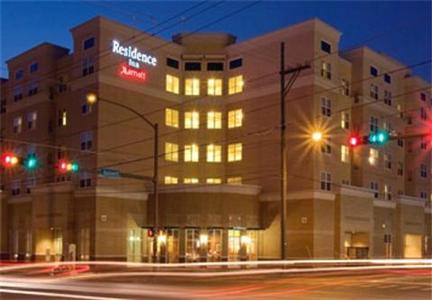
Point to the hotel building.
(216, 103)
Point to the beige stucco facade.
(220, 205)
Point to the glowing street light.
(91, 98)
(317, 136)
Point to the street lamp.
(91, 100)
(317, 136)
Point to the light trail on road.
(56, 295)
(283, 263)
(249, 284)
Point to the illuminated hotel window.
(213, 180)
(190, 180)
(345, 87)
(31, 120)
(170, 180)
(345, 155)
(214, 153)
(214, 120)
(235, 152)
(235, 118)
(171, 152)
(345, 120)
(387, 192)
(191, 153)
(171, 117)
(235, 84)
(192, 87)
(172, 84)
(373, 157)
(17, 124)
(214, 87)
(234, 180)
(325, 70)
(191, 120)
(62, 121)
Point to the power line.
(126, 120)
(224, 118)
(265, 131)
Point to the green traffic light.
(31, 163)
(379, 138)
(74, 167)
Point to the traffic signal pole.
(284, 89)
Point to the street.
(374, 284)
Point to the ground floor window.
(84, 244)
(172, 247)
(192, 244)
(233, 244)
(29, 244)
(412, 246)
(214, 244)
(58, 243)
(201, 244)
(356, 244)
(134, 253)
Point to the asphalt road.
(377, 284)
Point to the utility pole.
(284, 89)
(156, 190)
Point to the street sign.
(109, 173)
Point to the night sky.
(401, 29)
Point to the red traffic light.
(62, 166)
(150, 232)
(354, 140)
(9, 159)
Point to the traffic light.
(31, 162)
(65, 166)
(9, 159)
(379, 138)
(354, 140)
(150, 232)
